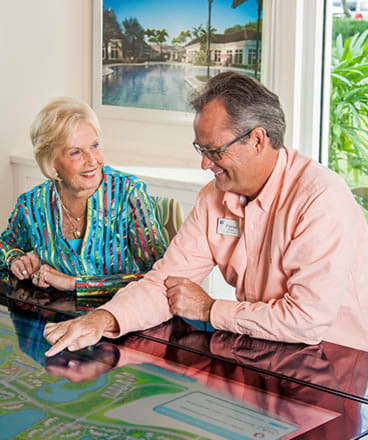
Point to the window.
(217, 56)
(115, 50)
(348, 99)
(238, 56)
(252, 56)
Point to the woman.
(89, 227)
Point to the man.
(285, 231)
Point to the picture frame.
(127, 65)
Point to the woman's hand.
(48, 276)
(25, 266)
(80, 332)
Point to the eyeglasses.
(216, 154)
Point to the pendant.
(76, 234)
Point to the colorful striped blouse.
(122, 239)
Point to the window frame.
(292, 67)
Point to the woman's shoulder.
(37, 190)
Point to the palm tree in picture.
(134, 34)
(182, 37)
(197, 31)
(157, 36)
(208, 42)
(235, 4)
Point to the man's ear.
(259, 137)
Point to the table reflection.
(26, 292)
(339, 369)
(320, 413)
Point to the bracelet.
(12, 255)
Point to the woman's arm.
(15, 243)
(87, 285)
(146, 241)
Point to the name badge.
(226, 226)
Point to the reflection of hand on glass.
(84, 365)
(55, 300)
(88, 364)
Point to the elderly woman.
(89, 227)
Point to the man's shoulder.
(210, 194)
(306, 175)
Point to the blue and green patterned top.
(122, 238)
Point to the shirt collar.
(265, 198)
(268, 193)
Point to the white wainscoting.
(180, 183)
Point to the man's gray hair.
(248, 104)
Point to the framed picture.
(149, 56)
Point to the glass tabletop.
(333, 368)
(50, 299)
(330, 367)
(137, 387)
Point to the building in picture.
(226, 49)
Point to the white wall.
(45, 48)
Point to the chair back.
(169, 214)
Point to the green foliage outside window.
(347, 27)
(348, 137)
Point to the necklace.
(76, 233)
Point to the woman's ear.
(55, 174)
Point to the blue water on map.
(5, 331)
(16, 422)
(57, 392)
(5, 353)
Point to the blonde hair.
(54, 125)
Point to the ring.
(24, 272)
(36, 277)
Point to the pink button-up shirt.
(299, 265)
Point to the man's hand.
(79, 332)
(188, 299)
(48, 276)
(25, 266)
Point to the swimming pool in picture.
(161, 86)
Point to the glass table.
(180, 380)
